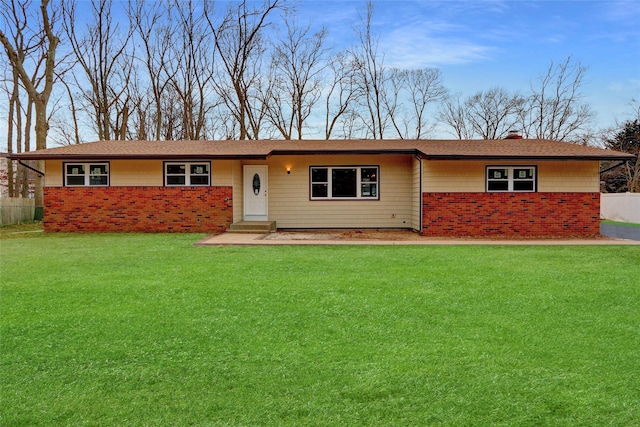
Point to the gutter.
(30, 168)
(105, 157)
(365, 151)
(519, 157)
(281, 152)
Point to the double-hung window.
(187, 174)
(86, 174)
(344, 182)
(511, 178)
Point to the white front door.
(255, 193)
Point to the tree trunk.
(42, 127)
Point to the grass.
(20, 230)
(624, 224)
(149, 330)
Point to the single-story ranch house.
(510, 187)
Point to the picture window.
(344, 182)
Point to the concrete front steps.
(253, 227)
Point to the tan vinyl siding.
(136, 173)
(452, 176)
(53, 173)
(222, 173)
(449, 176)
(577, 177)
(238, 190)
(290, 207)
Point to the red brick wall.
(511, 214)
(138, 209)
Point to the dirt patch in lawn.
(404, 236)
(373, 234)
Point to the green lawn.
(624, 224)
(136, 329)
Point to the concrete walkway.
(400, 238)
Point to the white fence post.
(623, 207)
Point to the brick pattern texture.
(511, 214)
(138, 209)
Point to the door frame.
(248, 172)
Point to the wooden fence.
(16, 210)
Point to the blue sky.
(483, 44)
(510, 44)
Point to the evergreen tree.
(626, 177)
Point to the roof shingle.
(428, 149)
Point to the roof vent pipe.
(513, 134)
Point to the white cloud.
(624, 11)
(412, 47)
(629, 87)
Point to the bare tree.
(552, 111)
(152, 23)
(296, 70)
(555, 109)
(142, 124)
(240, 46)
(14, 120)
(39, 84)
(102, 53)
(453, 113)
(224, 124)
(488, 115)
(425, 87)
(191, 70)
(340, 93)
(370, 74)
(493, 113)
(68, 131)
(395, 82)
(172, 115)
(23, 173)
(407, 96)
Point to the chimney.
(513, 134)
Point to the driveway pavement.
(620, 231)
(384, 238)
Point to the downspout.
(39, 213)
(30, 168)
(419, 158)
(420, 197)
(613, 167)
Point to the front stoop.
(257, 227)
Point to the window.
(511, 178)
(86, 174)
(353, 182)
(177, 174)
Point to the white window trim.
(511, 178)
(359, 182)
(187, 174)
(87, 174)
